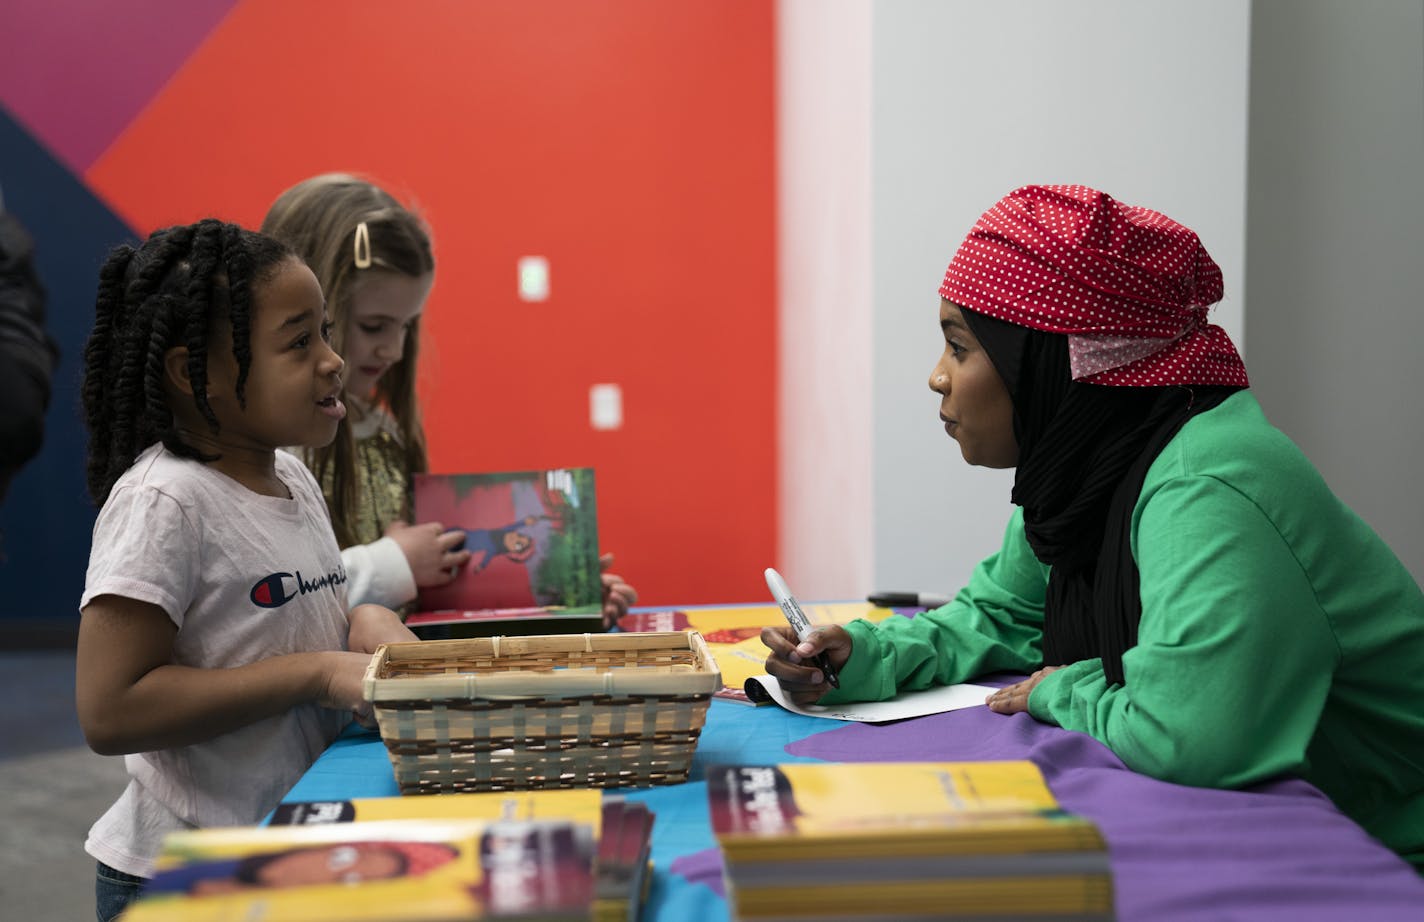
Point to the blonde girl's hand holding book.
(435, 553)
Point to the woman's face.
(383, 307)
(975, 406)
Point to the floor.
(53, 788)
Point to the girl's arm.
(130, 697)
(378, 573)
(373, 625)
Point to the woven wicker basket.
(557, 711)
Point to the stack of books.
(949, 840)
(548, 854)
(378, 871)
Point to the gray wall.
(1145, 99)
(1335, 247)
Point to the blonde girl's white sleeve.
(378, 572)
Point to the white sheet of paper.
(907, 704)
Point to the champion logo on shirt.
(277, 589)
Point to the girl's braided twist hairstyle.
(175, 289)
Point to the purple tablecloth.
(1277, 851)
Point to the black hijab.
(1084, 451)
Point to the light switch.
(533, 278)
(605, 406)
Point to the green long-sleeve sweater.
(1279, 634)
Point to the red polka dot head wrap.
(1129, 287)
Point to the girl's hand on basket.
(792, 662)
(373, 625)
(342, 676)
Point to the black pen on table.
(799, 622)
(907, 599)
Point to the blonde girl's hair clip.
(363, 246)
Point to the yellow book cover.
(622, 828)
(578, 805)
(367, 871)
(733, 634)
(800, 811)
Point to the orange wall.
(630, 142)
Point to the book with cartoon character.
(533, 537)
(913, 839)
(376, 871)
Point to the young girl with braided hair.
(215, 649)
(374, 259)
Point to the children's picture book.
(533, 537)
(387, 870)
(622, 829)
(576, 805)
(853, 838)
(733, 634)
(878, 807)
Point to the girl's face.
(974, 404)
(383, 307)
(293, 389)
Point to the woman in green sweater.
(1177, 578)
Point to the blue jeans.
(114, 891)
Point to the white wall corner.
(824, 295)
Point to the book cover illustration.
(367, 871)
(904, 838)
(583, 806)
(622, 828)
(845, 805)
(533, 536)
(733, 634)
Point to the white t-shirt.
(244, 577)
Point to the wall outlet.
(605, 406)
(533, 278)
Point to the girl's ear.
(175, 368)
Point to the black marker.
(908, 599)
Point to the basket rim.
(703, 677)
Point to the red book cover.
(533, 536)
